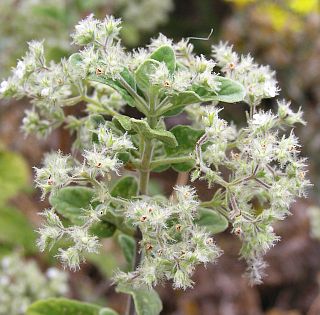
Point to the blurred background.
(284, 34)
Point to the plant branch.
(140, 102)
(109, 110)
(180, 159)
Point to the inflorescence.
(264, 171)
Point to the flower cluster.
(259, 81)
(79, 236)
(266, 175)
(22, 282)
(172, 244)
(256, 167)
(58, 171)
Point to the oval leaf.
(165, 54)
(14, 174)
(213, 221)
(128, 246)
(16, 230)
(143, 73)
(126, 187)
(187, 138)
(143, 128)
(230, 91)
(146, 302)
(69, 201)
(67, 307)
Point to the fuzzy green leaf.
(122, 121)
(180, 101)
(115, 85)
(143, 128)
(69, 201)
(187, 138)
(16, 230)
(144, 72)
(213, 221)
(105, 261)
(103, 229)
(128, 246)
(230, 91)
(165, 54)
(75, 60)
(146, 301)
(14, 174)
(67, 307)
(126, 187)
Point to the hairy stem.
(173, 160)
(137, 259)
(144, 175)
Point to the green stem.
(159, 162)
(208, 204)
(72, 101)
(145, 167)
(88, 99)
(139, 101)
(146, 149)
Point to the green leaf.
(180, 101)
(128, 77)
(124, 157)
(115, 85)
(117, 219)
(67, 307)
(213, 221)
(105, 262)
(128, 246)
(69, 201)
(14, 174)
(123, 122)
(16, 230)
(146, 301)
(126, 187)
(97, 120)
(143, 128)
(143, 73)
(103, 229)
(75, 60)
(107, 311)
(187, 138)
(165, 54)
(230, 91)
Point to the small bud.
(238, 231)
(148, 247)
(143, 218)
(166, 84)
(99, 71)
(210, 241)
